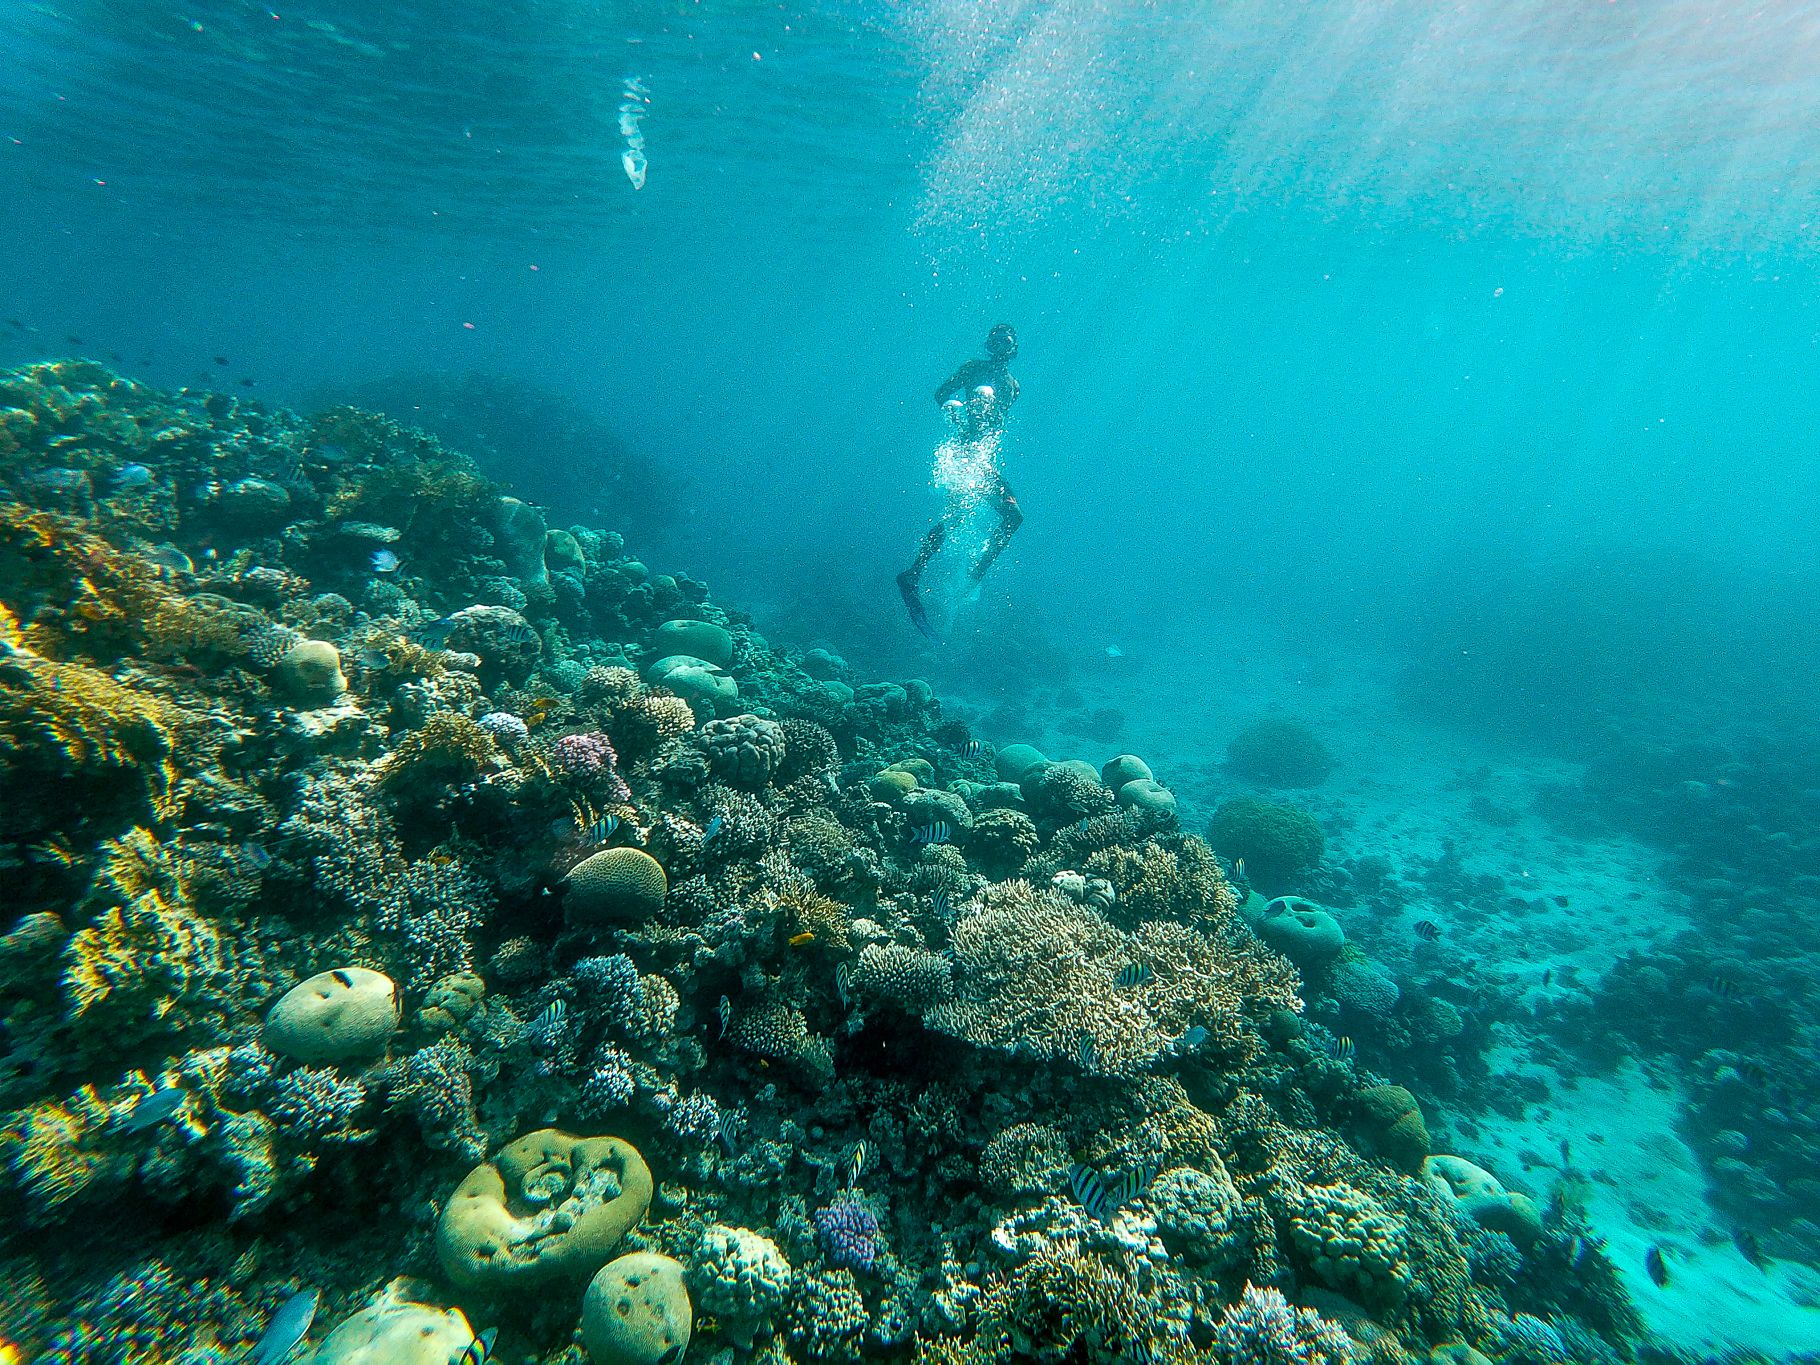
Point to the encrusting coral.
(928, 1050)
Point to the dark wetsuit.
(978, 420)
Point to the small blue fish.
(288, 1327)
(384, 561)
(601, 830)
(374, 659)
(712, 830)
(1133, 974)
(480, 1350)
(1082, 824)
(936, 832)
(256, 855)
(547, 1026)
(153, 1109)
(132, 476)
(1194, 1037)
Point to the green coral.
(1350, 1242)
(1280, 843)
(1279, 752)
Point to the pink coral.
(588, 757)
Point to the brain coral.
(1280, 844)
(616, 883)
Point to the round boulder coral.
(637, 1312)
(1280, 844)
(616, 884)
(335, 1016)
(1279, 752)
(699, 639)
(1015, 760)
(1002, 841)
(743, 751)
(310, 673)
(1300, 930)
(1477, 1194)
(549, 1205)
(1147, 797)
(1392, 1120)
(741, 1278)
(1125, 768)
(704, 685)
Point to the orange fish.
(798, 940)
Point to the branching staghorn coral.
(1036, 973)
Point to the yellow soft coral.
(64, 721)
(146, 951)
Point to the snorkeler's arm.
(956, 384)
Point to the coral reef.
(362, 825)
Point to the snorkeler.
(974, 399)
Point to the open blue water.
(1420, 369)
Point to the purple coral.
(1263, 1328)
(849, 1233)
(587, 756)
(505, 727)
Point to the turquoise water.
(1442, 377)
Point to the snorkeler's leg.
(909, 580)
(1010, 517)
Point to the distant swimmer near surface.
(975, 399)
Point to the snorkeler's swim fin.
(906, 584)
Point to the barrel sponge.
(1279, 843)
(549, 1206)
(1391, 1118)
(699, 639)
(1014, 760)
(616, 883)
